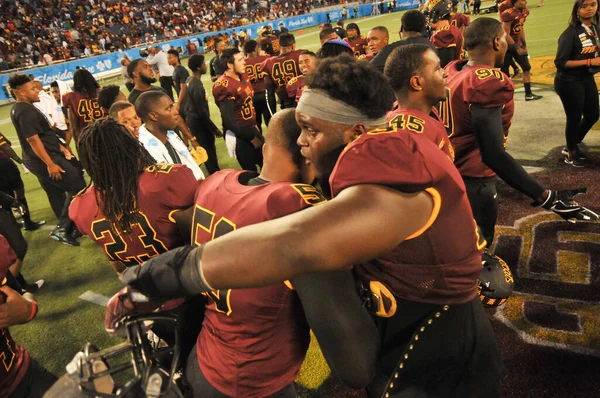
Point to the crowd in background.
(34, 32)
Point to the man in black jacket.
(411, 32)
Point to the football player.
(307, 61)
(82, 103)
(20, 375)
(477, 115)
(356, 41)
(282, 68)
(254, 58)
(400, 214)
(513, 20)
(233, 94)
(128, 208)
(419, 87)
(447, 38)
(461, 21)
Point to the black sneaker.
(533, 97)
(575, 161)
(33, 287)
(33, 225)
(62, 236)
(581, 155)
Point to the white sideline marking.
(95, 298)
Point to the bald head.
(283, 132)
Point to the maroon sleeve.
(78, 213)
(508, 15)
(444, 38)
(385, 158)
(7, 256)
(488, 88)
(223, 90)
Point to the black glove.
(562, 203)
(173, 274)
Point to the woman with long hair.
(577, 60)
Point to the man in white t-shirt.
(157, 57)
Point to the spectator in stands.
(46, 157)
(165, 71)
(180, 75)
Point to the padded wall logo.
(557, 270)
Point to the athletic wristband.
(34, 309)
(589, 62)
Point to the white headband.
(317, 104)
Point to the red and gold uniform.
(359, 46)
(255, 73)
(517, 19)
(281, 69)
(460, 20)
(85, 109)
(449, 36)
(503, 6)
(253, 341)
(162, 190)
(14, 359)
(474, 85)
(427, 267)
(295, 87)
(241, 92)
(428, 125)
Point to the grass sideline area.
(65, 321)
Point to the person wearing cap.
(20, 375)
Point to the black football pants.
(206, 140)
(166, 82)
(59, 192)
(11, 230)
(262, 109)
(454, 355)
(483, 198)
(36, 382)
(579, 97)
(247, 156)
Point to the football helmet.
(440, 10)
(148, 371)
(496, 282)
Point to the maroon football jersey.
(449, 37)
(241, 92)
(430, 127)
(359, 46)
(517, 19)
(295, 87)
(162, 190)
(503, 6)
(253, 341)
(255, 73)
(281, 69)
(440, 263)
(14, 359)
(474, 85)
(460, 20)
(85, 109)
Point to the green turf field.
(65, 321)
